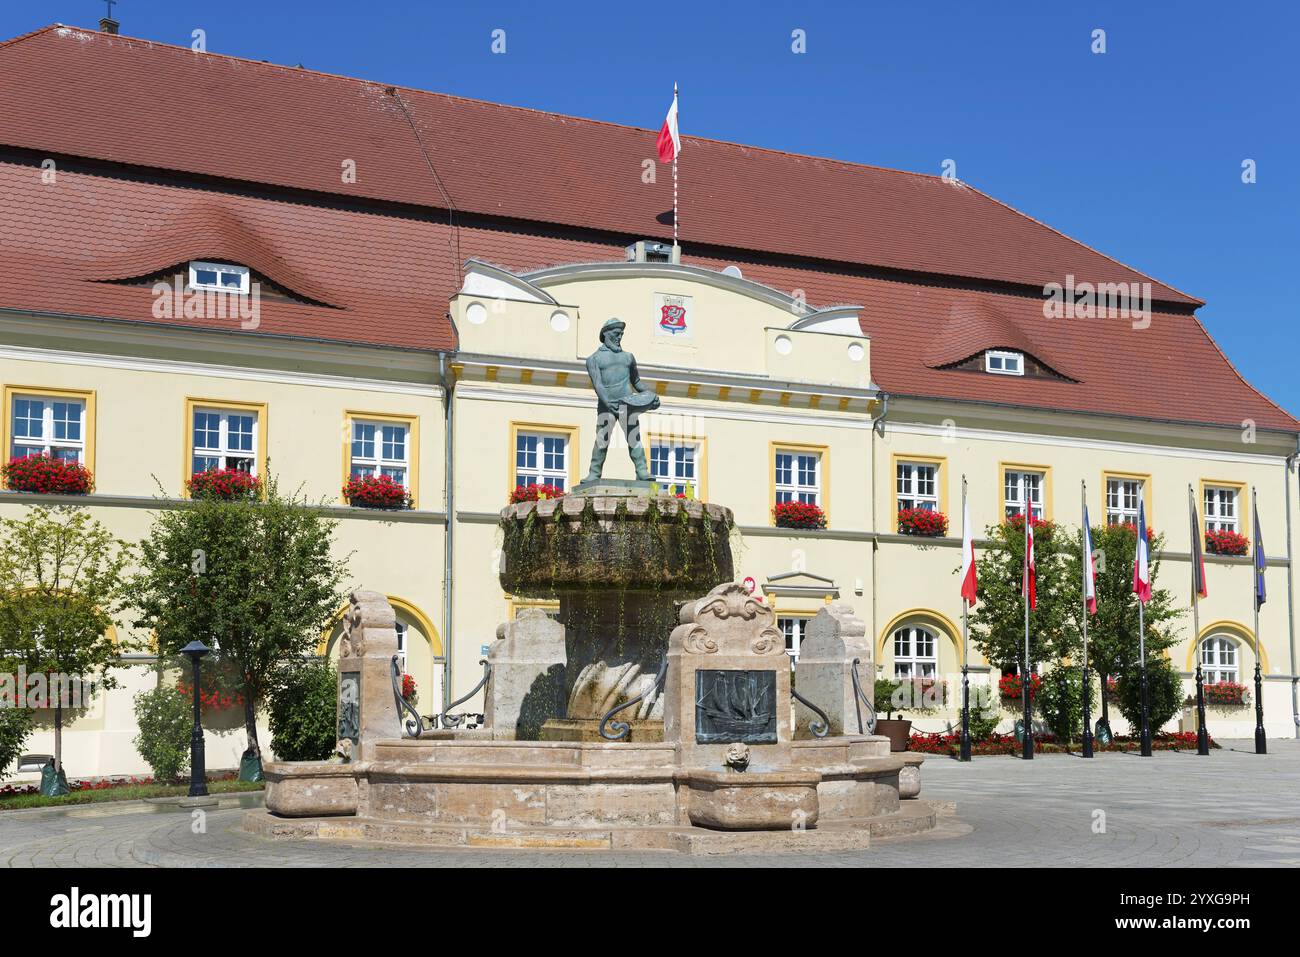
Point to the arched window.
(915, 653)
(1219, 659)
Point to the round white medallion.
(560, 321)
(783, 345)
(856, 352)
(476, 313)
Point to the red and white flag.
(1142, 558)
(968, 582)
(1089, 567)
(670, 140)
(1029, 580)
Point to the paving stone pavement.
(1231, 809)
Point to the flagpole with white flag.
(1089, 606)
(1260, 563)
(1028, 586)
(967, 596)
(1142, 588)
(669, 147)
(1198, 591)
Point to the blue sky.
(1137, 151)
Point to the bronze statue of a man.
(621, 397)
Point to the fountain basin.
(752, 800)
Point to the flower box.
(410, 692)
(798, 515)
(1009, 688)
(47, 475)
(922, 522)
(1226, 543)
(376, 491)
(535, 493)
(1043, 528)
(224, 484)
(1226, 693)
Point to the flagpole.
(1259, 562)
(1202, 734)
(965, 752)
(677, 111)
(1085, 539)
(1144, 719)
(1027, 738)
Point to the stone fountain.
(658, 713)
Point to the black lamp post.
(1261, 741)
(195, 650)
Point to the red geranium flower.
(798, 515)
(47, 475)
(226, 484)
(922, 521)
(535, 493)
(376, 491)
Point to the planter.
(922, 522)
(798, 515)
(897, 730)
(48, 476)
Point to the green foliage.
(164, 720)
(883, 696)
(1113, 631)
(997, 621)
(302, 711)
(1165, 694)
(253, 578)
(15, 726)
(983, 723)
(1060, 701)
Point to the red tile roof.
(384, 272)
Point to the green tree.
(997, 620)
(1165, 694)
(253, 578)
(164, 721)
(61, 578)
(15, 726)
(1113, 630)
(302, 711)
(1060, 701)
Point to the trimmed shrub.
(1164, 694)
(1060, 702)
(303, 708)
(15, 726)
(165, 720)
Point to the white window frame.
(909, 662)
(796, 488)
(1118, 512)
(908, 484)
(793, 628)
(221, 269)
(1004, 362)
(223, 452)
(674, 459)
(1015, 489)
(1220, 659)
(379, 463)
(1221, 509)
(46, 444)
(402, 632)
(541, 474)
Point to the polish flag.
(968, 583)
(1089, 567)
(670, 140)
(1142, 558)
(1029, 580)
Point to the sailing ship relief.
(735, 706)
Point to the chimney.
(108, 25)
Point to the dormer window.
(1004, 363)
(219, 277)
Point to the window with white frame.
(219, 277)
(793, 629)
(46, 425)
(1220, 508)
(676, 464)
(381, 448)
(541, 458)
(918, 485)
(798, 476)
(224, 439)
(1000, 362)
(1219, 659)
(400, 628)
(1122, 497)
(1023, 490)
(915, 653)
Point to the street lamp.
(195, 650)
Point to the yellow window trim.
(42, 392)
(938, 621)
(225, 405)
(824, 492)
(572, 432)
(941, 482)
(1232, 629)
(1243, 506)
(412, 424)
(1143, 477)
(1003, 468)
(701, 463)
(401, 605)
(515, 605)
